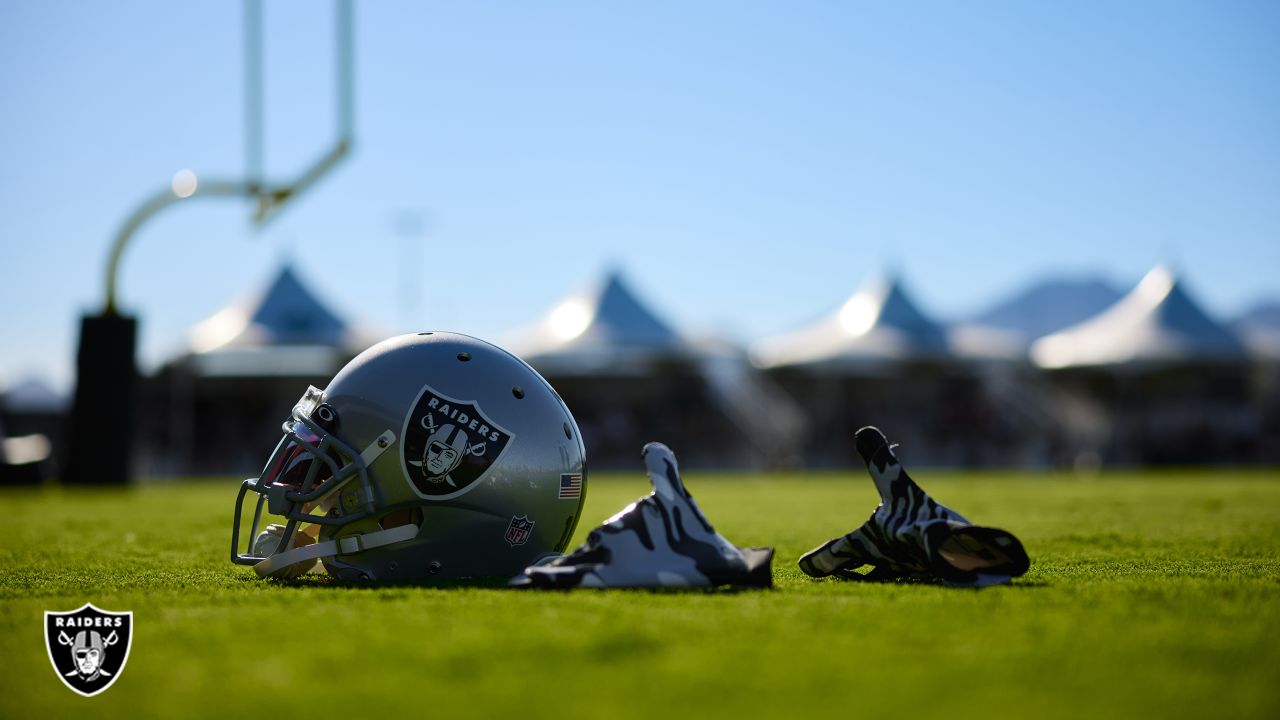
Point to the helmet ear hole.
(326, 417)
(404, 516)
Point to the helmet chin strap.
(279, 562)
(278, 565)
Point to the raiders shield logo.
(88, 647)
(448, 445)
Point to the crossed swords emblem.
(429, 422)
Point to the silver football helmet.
(432, 455)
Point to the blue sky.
(747, 164)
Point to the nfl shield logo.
(88, 647)
(519, 529)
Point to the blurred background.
(1010, 234)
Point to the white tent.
(1263, 343)
(603, 331)
(1157, 323)
(243, 369)
(878, 326)
(1259, 330)
(604, 343)
(32, 395)
(985, 343)
(282, 330)
(878, 359)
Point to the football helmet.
(429, 456)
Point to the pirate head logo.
(88, 647)
(448, 445)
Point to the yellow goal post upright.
(100, 428)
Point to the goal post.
(100, 428)
(271, 198)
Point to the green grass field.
(1150, 595)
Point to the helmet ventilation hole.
(567, 432)
(518, 392)
(464, 356)
(426, 333)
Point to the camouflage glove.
(661, 540)
(912, 536)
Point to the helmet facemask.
(301, 482)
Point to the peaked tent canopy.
(1157, 323)
(283, 330)
(878, 325)
(1050, 305)
(603, 331)
(1259, 329)
(32, 395)
(610, 356)
(286, 313)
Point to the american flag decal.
(570, 486)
